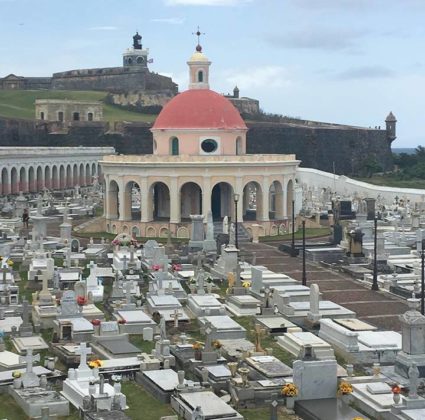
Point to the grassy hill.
(20, 104)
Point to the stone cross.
(83, 351)
(176, 315)
(128, 286)
(29, 359)
(207, 330)
(162, 328)
(201, 279)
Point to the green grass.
(145, 346)
(20, 104)
(142, 404)
(264, 414)
(309, 233)
(390, 181)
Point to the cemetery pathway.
(378, 308)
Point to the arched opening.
(239, 146)
(190, 200)
(55, 178)
(93, 170)
(14, 185)
(75, 180)
(41, 115)
(160, 201)
(222, 201)
(252, 201)
(82, 177)
(113, 200)
(23, 180)
(68, 176)
(40, 181)
(174, 145)
(60, 116)
(76, 116)
(200, 76)
(31, 179)
(47, 175)
(90, 116)
(4, 181)
(289, 197)
(62, 178)
(133, 201)
(276, 201)
(88, 176)
(135, 232)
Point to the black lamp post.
(304, 278)
(236, 199)
(375, 262)
(423, 278)
(293, 230)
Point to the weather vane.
(198, 33)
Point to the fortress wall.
(316, 148)
(320, 147)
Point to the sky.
(341, 61)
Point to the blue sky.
(343, 61)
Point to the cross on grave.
(128, 286)
(176, 315)
(30, 379)
(162, 328)
(83, 351)
(207, 330)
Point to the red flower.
(122, 321)
(396, 389)
(176, 267)
(95, 322)
(156, 267)
(81, 300)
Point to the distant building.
(246, 106)
(66, 111)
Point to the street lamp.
(236, 199)
(304, 278)
(375, 263)
(293, 230)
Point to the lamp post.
(423, 278)
(304, 278)
(236, 199)
(293, 230)
(375, 263)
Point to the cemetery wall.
(347, 186)
(317, 148)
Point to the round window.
(209, 146)
(139, 60)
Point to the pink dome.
(199, 108)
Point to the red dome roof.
(199, 108)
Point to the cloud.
(102, 28)
(205, 2)
(171, 21)
(260, 77)
(318, 38)
(366, 72)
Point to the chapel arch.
(289, 197)
(75, 177)
(276, 201)
(4, 181)
(113, 200)
(159, 201)
(132, 201)
(222, 201)
(62, 177)
(190, 199)
(40, 181)
(174, 146)
(47, 177)
(14, 181)
(82, 177)
(23, 179)
(88, 176)
(252, 201)
(68, 183)
(55, 178)
(31, 179)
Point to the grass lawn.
(390, 181)
(142, 404)
(20, 104)
(264, 414)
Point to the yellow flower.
(345, 388)
(9, 263)
(16, 374)
(95, 363)
(197, 345)
(289, 390)
(246, 284)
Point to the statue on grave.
(162, 328)
(259, 332)
(232, 235)
(230, 280)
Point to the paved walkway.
(378, 308)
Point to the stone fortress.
(134, 84)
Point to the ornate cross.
(29, 359)
(176, 315)
(198, 34)
(83, 351)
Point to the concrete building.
(199, 164)
(66, 111)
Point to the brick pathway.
(378, 308)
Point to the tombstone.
(148, 334)
(80, 289)
(25, 329)
(162, 328)
(200, 282)
(356, 243)
(69, 306)
(210, 244)
(313, 315)
(197, 231)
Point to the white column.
(238, 189)
(145, 197)
(121, 200)
(174, 201)
(206, 196)
(266, 201)
(106, 199)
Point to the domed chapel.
(199, 164)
